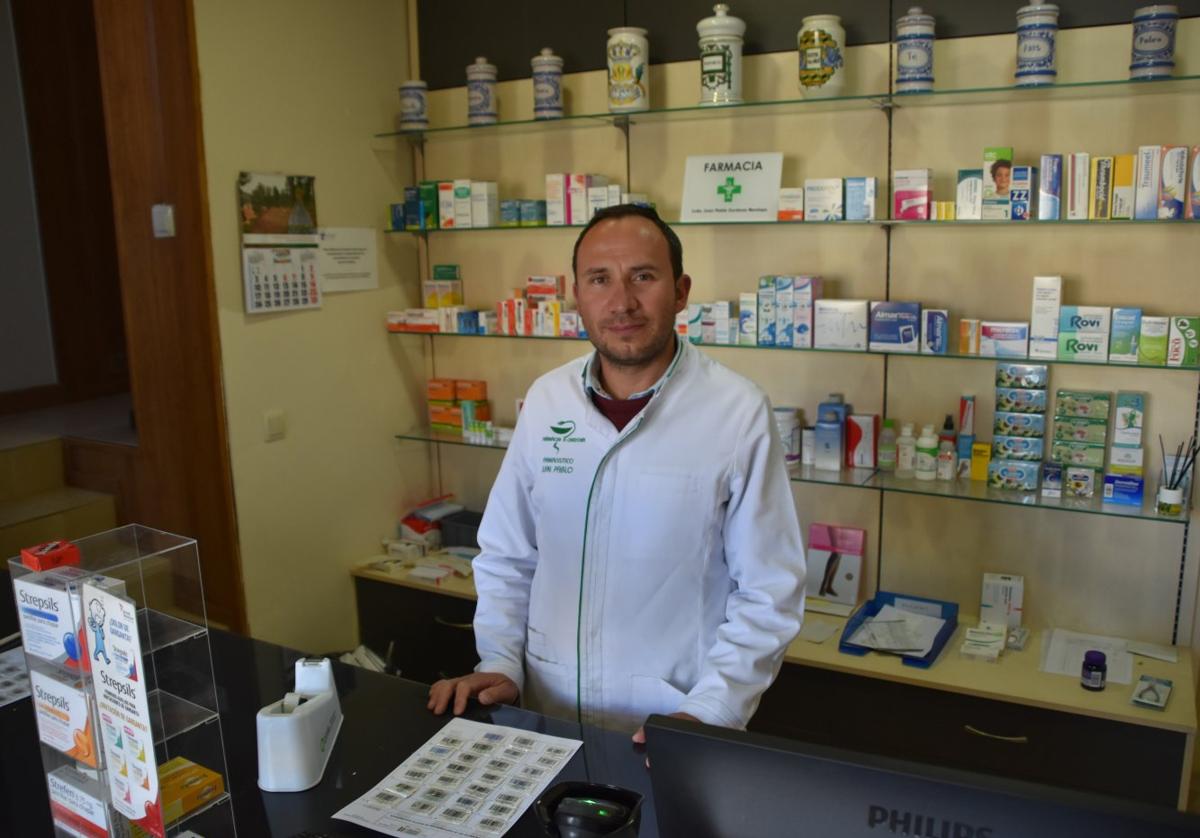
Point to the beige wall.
(1083, 571)
(300, 86)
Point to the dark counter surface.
(385, 721)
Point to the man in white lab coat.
(640, 548)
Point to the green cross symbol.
(729, 189)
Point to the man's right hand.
(488, 687)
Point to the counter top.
(1015, 677)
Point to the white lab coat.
(655, 570)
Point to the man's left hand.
(639, 738)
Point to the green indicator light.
(602, 812)
(591, 802)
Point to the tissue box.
(1014, 475)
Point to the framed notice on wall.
(732, 187)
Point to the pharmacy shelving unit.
(1014, 721)
(159, 576)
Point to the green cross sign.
(728, 189)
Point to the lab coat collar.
(600, 423)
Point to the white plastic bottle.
(886, 457)
(906, 452)
(947, 456)
(927, 450)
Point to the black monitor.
(712, 782)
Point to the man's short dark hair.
(635, 210)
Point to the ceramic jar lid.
(916, 17)
(721, 24)
(628, 30)
(481, 67)
(547, 59)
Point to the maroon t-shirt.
(619, 411)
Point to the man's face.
(625, 290)
(1003, 179)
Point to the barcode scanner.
(589, 810)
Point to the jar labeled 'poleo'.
(628, 69)
(822, 43)
(721, 57)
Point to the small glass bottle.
(1095, 671)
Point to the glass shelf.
(875, 480)
(447, 438)
(655, 115)
(579, 227)
(158, 630)
(918, 356)
(171, 715)
(1035, 223)
(171, 826)
(975, 490)
(1103, 89)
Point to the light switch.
(162, 217)
(275, 424)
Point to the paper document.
(1062, 654)
(470, 779)
(893, 630)
(817, 631)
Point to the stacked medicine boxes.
(1080, 440)
(455, 404)
(1018, 443)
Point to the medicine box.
(462, 203)
(1019, 424)
(1050, 188)
(1090, 404)
(935, 331)
(1076, 429)
(1124, 489)
(1129, 418)
(968, 203)
(1017, 448)
(557, 206)
(862, 440)
(1173, 187)
(1079, 482)
(186, 786)
(1031, 376)
(791, 204)
(999, 339)
(1183, 342)
(748, 318)
(485, 203)
(895, 326)
(1014, 475)
(968, 336)
(1126, 461)
(823, 199)
(1044, 317)
(1076, 180)
(1021, 193)
(911, 194)
(445, 193)
(1083, 333)
(1125, 336)
(785, 311)
(981, 457)
(1077, 454)
(533, 213)
(427, 191)
(1052, 479)
(1020, 400)
(77, 802)
(510, 213)
(1001, 603)
(1146, 182)
(805, 290)
(860, 199)
(1152, 344)
(766, 311)
(1100, 196)
(1122, 188)
(63, 711)
(840, 324)
(1192, 212)
(997, 180)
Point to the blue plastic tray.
(948, 611)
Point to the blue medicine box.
(895, 327)
(1125, 489)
